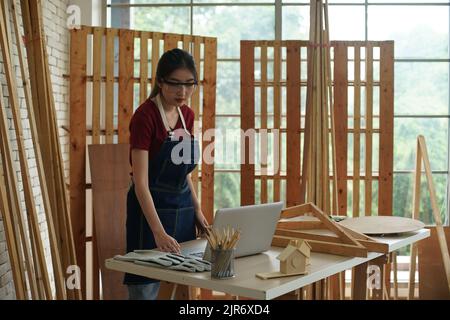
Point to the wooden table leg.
(379, 263)
(359, 282)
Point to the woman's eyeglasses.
(174, 85)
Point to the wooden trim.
(386, 154)
(368, 136)
(126, 85)
(293, 147)
(356, 134)
(247, 122)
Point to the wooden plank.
(356, 134)
(110, 182)
(126, 85)
(339, 249)
(109, 87)
(433, 283)
(78, 64)
(293, 125)
(209, 123)
(341, 115)
(143, 88)
(359, 282)
(368, 135)
(386, 154)
(415, 215)
(264, 138)
(277, 120)
(96, 86)
(247, 122)
(187, 43)
(28, 191)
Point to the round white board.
(382, 224)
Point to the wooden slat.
(277, 120)
(26, 180)
(293, 125)
(195, 104)
(264, 138)
(78, 63)
(368, 136)
(155, 56)
(109, 87)
(209, 122)
(386, 156)
(247, 121)
(170, 42)
(356, 134)
(341, 115)
(143, 88)
(126, 85)
(96, 86)
(187, 43)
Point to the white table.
(246, 284)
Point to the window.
(422, 67)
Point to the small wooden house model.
(295, 258)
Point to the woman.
(162, 206)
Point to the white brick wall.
(55, 17)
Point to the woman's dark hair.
(169, 62)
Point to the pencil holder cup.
(222, 263)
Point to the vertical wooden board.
(109, 87)
(293, 124)
(357, 132)
(78, 64)
(195, 102)
(369, 131)
(126, 83)
(170, 42)
(110, 182)
(96, 86)
(247, 122)
(209, 118)
(341, 114)
(155, 55)
(386, 155)
(187, 43)
(277, 120)
(143, 81)
(264, 138)
(432, 279)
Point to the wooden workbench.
(246, 284)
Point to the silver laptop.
(257, 224)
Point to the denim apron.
(170, 192)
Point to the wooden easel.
(422, 154)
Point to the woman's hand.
(166, 243)
(200, 221)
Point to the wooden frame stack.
(356, 122)
(122, 57)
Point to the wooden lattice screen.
(104, 99)
(273, 95)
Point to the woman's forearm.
(148, 208)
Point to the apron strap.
(164, 118)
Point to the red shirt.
(147, 130)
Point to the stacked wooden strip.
(27, 247)
(315, 184)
